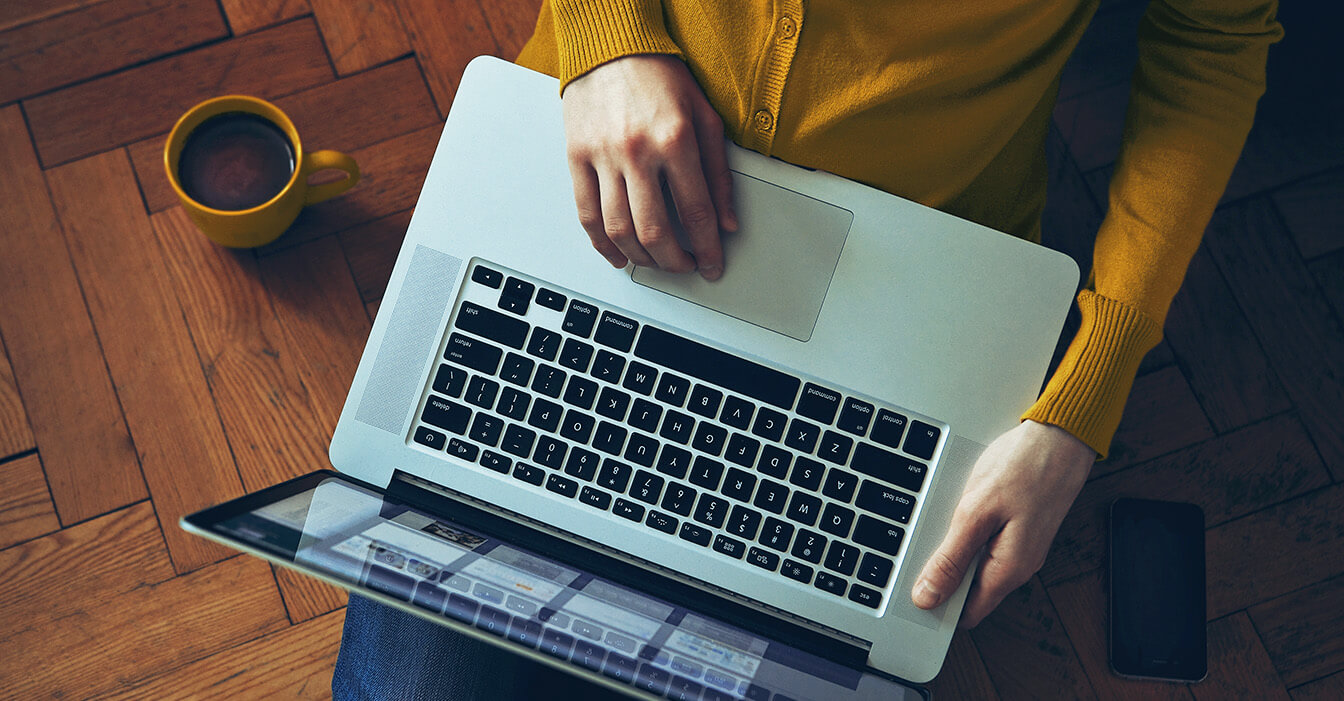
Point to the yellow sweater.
(948, 103)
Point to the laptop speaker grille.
(395, 379)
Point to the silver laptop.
(787, 443)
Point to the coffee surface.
(235, 161)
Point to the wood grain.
(360, 35)
(17, 13)
(71, 46)
(1312, 210)
(1081, 603)
(391, 175)
(1276, 551)
(1329, 274)
(1303, 339)
(26, 510)
(963, 675)
(343, 115)
(372, 251)
(1329, 688)
(252, 373)
(1162, 415)
(148, 99)
(1229, 477)
(1026, 651)
(1239, 667)
(293, 663)
(149, 350)
(1301, 630)
(15, 434)
(1219, 354)
(72, 409)
(446, 35)
(250, 15)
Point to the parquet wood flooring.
(145, 372)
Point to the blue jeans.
(390, 654)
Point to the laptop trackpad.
(778, 264)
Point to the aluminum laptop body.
(864, 294)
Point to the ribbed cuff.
(1086, 396)
(589, 33)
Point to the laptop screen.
(366, 541)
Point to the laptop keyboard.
(746, 461)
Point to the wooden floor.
(145, 373)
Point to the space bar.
(715, 366)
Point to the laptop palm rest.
(777, 265)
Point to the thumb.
(948, 565)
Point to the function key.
(863, 595)
(796, 571)
(487, 276)
(830, 583)
(922, 439)
(661, 522)
(855, 417)
(818, 403)
(616, 331)
(729, 546)
(889, 428)
(580, 318)
(551, 299)
(762, 558)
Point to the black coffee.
(234, 161)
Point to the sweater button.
(764, 120)
(788, 27)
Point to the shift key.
(488, 323)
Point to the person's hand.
(630, 124)
(1015, 499)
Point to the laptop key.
(517, 369)
(616, 331)
(529, 474)
(450, 380)
(490, 324)
(607, 366)
(716, 367)
(769, 424)
(549, 380)
(641, 449)
(612, 403)
(463, 450)
(709, 438)
(771, 496)
(842, 558)
(796, 571)
(889, 467)
(836, 520)
(461, 608)
(804, 508)
(543, 343)
(555, 643)
(776, 534)
(863, 595)
(809, 546)
(614, 475)
(774, 461)
(652, 679)
(835, 447)
(802, 436)
(550, 452)
(705, 401)
(737, 412)
(551, 299)
(730, 546)
(513, 403)
(922, 439)
(679, 499)
(581, 464)
(840, 485)
(807, 473)
(628, 510)
(706, 473)
(449, 416)
(674, 461)
(482, 392)
(830, 583)
(581, 392)
(580, 318)
(640, 378)
(577, 426)
(885, 501)
(646, 487)
(562, 485)
(738, 485)
(487, 276)
(609, 438)
(743, 522)
(644, 415)
(762, 558)
(818, 403)
(875, 569)
(878, 534)
(595, 498)
(672, 389)
(494, 461)
(742, 450)
(660, 521)
(545, 415)
(855, 417)
(518, 440)
(888, 428)
(677, 427)
(430, 438)
(576, 355)
(711, 510)
(695, 534)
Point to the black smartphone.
(1157, 612)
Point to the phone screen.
(1157, 590)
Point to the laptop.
(772, 456)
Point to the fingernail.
(711, 273)
(925, 595)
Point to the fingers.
(1011, 561)
(714, 161)
(948, 565)
(588, 201)
(653, 227)
(697, 212)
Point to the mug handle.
(325, 160)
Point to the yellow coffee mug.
(263, 223)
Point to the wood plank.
(1239, 666)
(1312, 210)
(1026, 651)
(1157, 358)
(78, 426)
(1329, 272)
(360, 35)
(1302, 338)
(253, 376)
(16, 13)
(1301, 630)
(26, 510)
(322, 317)
(1329, 688)
(1161, 415)
(1228, 477)
(372, 251)
(247, 16)
(142, 631)
(16, 435)
(374, 106)
(131, 105)
(511, 23)
(99, 38)
(149, 350)
(963, 675)
(446, 35)
(1219, 354)
(1276, 551)
(392, 174)
(1106, 53)
(1081, 603)
(293, 663)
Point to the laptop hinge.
(633, 572)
